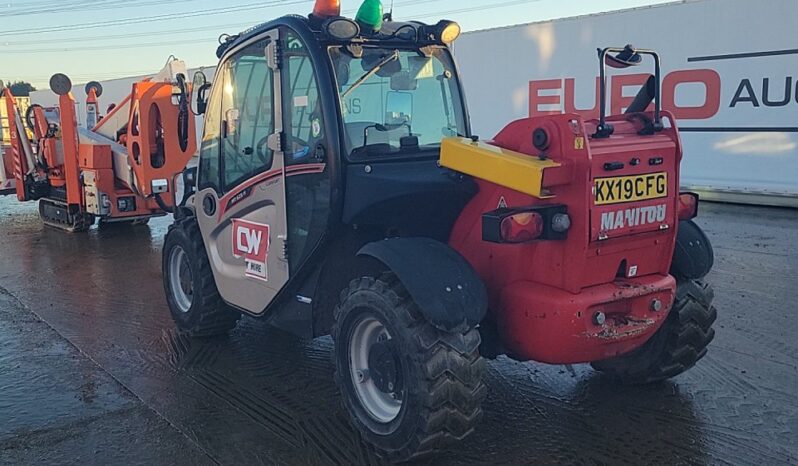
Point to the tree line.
(19, 88)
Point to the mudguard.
(443, 284)
(693, 257)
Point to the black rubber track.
(209, 315)
(447, 386)
(74, 223)
(677, 346)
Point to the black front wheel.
(410, 388)
(677, 346)
(194, 301)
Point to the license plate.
(622, 189)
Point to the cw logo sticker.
(251, 241)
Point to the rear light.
(688, 206)
(523, 225)
(522, 228)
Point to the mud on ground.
(92, 371)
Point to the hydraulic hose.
(183, 113)
(162, 204)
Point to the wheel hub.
(375, 370)
(383, 367)
(180, 279)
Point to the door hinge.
(274, 55)
(284, 252)
(276, 142)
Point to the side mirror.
(628, 57)
(403, 81)
(342, 72)
(624, 58)
(399, 108)
(200, 87)
(199, 80)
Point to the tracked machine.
(117, 168)
(340, 191)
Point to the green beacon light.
(369, 16)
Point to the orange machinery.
(119, 168)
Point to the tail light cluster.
(688, 206)
(525, 224)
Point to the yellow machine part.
(520, 172)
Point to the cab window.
(247, 116)
(209, 164)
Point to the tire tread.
(678, 345)
(451, 366)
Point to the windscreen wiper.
(372, 72)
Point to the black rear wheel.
(194, 301)
(677, 346)
(410, 388)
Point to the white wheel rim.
(180, 279)
(380, 406)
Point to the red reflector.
(688, 206)
(327, 8)
(523, 227)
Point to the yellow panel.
(520, 172)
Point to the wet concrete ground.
(92, 371)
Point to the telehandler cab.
(340, 191)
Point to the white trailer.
(730, 72)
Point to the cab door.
(241, 203)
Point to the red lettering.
(566, 96)
(536, 100)
(711, 81)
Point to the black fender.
(443, 284)
(693, 257)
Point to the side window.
(307, 180)
(209, 168)
(247, 116)
(305, 128)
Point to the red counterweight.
(604, 288)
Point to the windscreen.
(397, 102)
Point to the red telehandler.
(118, 168)
(341, 191)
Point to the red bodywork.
(544, 295)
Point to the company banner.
(730, 76)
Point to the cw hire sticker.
(251, 241)
(638, 216)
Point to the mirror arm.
(605, 130)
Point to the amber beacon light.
(327, 8)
